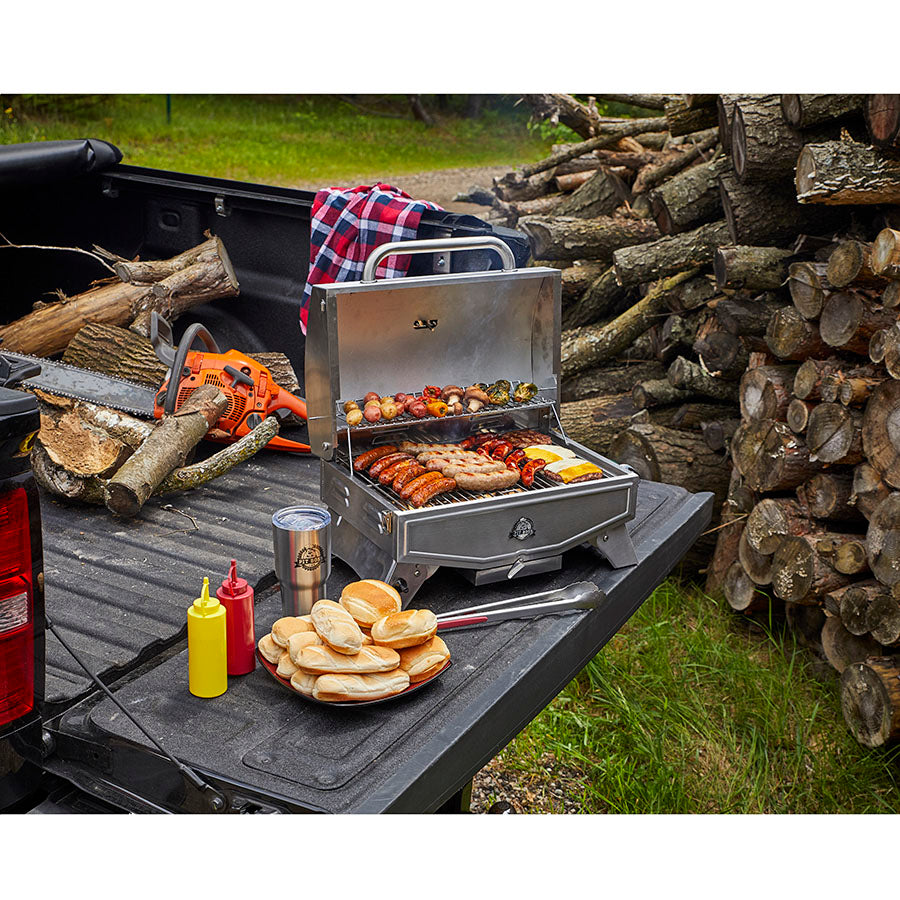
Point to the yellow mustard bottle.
(207, 655)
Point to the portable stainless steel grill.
(402, 334)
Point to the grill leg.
(615, 544)
(369, 560)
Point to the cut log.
(757, 566)
(827, 495)
(741, 594)
(693, 100)
(689, 199)
(747, 318)
(673, 162)
(115, 351)
(601, 297)
(722, 354)
(834, 434)
(56, 479)
(644, 101)
(842, 649)
(657, 392)
(774, 518)
(688, 376)
(890, 296)
(78, 446)
(842, 172)
(583, 348)
(878, 344)
(851, 387)
(751, 268)
(845, 552)
(677, 457)
(807, 285)
(166, 449)
(806, 110)
(850, 262)
(596, 421)
(771, 457)
(718, 433)
(790, 336)
(516, 190)
(805, 623)
(883, 119)
(614, 380)
(153, 270)
(765, 393)
(768, 213)
(797, 415)
(684, 119)
(810, 376)
(885, 258)
(881, 431)
(848, 321)
(669, 255)
(677, 335)
(801, 574)
(599, 195)
(578, 277)
(572, 180)
(738, 503)
(691, 416)
(883, 617)
(691, 295)
(870, 700)
(725, 115)
(763, 146)
(855, 601)
(868, 489)
(890, 341)
(568, 237)
(883, 540)
(48, 330)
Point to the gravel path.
(440, 186)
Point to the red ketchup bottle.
(237, 598)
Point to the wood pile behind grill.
(731, 291)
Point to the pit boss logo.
(430, 324)
(523, 529)
(309, 558)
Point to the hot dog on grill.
(428, 491)
(364, 460)
(412, 486)
(380, 465)
(407, 475)
(386, 476)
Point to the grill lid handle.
(436, 245)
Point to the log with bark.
(683, 119)
(747, 318)
(601, 298)
(669, 255)
(752, 268)
(885, 258)
(718, 433)
(801, 574)
(571, 181)
(842, 649)
(790, 336)
(855, 603)
(569, 237)
(797, 415)
(848, 321)
(827, 495)
(883, 618)
(765, 392)
(811, 376)
(609, 381)
(49, 329)
(845, 552)
(805, 623)
(600, 195)
(808, 285)
(834, 434)
(869, 489)
(578, 277)
(841, 172)
(741, 594)
(583, 348)
(725, 105)
(738, 503)
(672, 163)
(689, 376)
(806, 110)
(657, 392)
(689, 199)
(883, 540)
(722, 354)
(851, 261)
(870, 700)
(881, 431)
(774, 518)
(882, 113)
(757, 566)
(595, 421)
(153, 270)
(771, 457)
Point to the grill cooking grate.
(541, 482)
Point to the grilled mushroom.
(452, 394)
(476, 398)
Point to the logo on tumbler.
(309, 558)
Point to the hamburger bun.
(284, 628)
(269, 649)
(405, 629)
(370, 600)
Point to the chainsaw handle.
(284, 399)
(184, 347)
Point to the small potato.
(418, 410)
(350, 404)
(372, 396)
(400, 398)
(386, 400)
(390, 411)
(372, 413)
(355, 416)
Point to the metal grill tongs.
(578, 595)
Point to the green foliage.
(282, 139)
(692, 709)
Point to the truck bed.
(120, 596)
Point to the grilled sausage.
(411, 487)
(476, 440)
(380, 465)
(364, 460)
(428, 491)
(394, 469)
(486, 481)
(413, 447)
(407, 475)
(529, 469)
(501, 450)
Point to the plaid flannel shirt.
(347, 225)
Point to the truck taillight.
(16, 608)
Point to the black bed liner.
(409, 756)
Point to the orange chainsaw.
(251, 391)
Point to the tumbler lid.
(301, 518)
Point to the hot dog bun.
(269, 649)
(286, 666)
(341, 688)
(425, 660)
(303, 682)
(405, 629)
(370, 600)
(320, 660)
(284, 628)
(300, 640)
(336, 627)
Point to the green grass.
(692, 709)
(279, 139)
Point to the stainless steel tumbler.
(302, 540)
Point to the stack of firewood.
(732, 295)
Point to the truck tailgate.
(261, 741)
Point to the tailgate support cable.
(217, 801)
